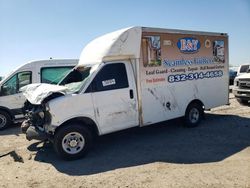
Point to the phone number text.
(194, 76)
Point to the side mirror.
(5, 90)
(2, 90)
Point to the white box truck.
(41, 71)
(132, 77)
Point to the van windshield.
(77, 78)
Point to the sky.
(40, 29)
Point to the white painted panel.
(71, 106)
(115, 109)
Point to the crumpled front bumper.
(33, 133)
(241, 93)
(25, 125)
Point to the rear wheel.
(72, 141)
(193, 115)
(5, 120)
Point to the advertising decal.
(151, 49)
(187, 64)
(188, 45)
(218, 51)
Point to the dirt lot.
(215, 154)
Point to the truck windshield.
(77, 78)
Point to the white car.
(241, 89)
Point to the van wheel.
(72, 141)
(193, 115)
(5, 120)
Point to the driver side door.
(114, 97)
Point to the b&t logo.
(188, 45)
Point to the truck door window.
(53, 75)
(17, 81)
(110, 77)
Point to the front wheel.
(72, 141)
(243, 101)
(5, 120)
(193, 115)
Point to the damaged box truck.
(132, 77)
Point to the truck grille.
(244, 83)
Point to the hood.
(36, 93)
(244, 75)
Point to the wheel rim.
(73, 143)
(3, 121)
(194, 115)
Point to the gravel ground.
(215, 154)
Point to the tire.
(193, 115)
(5, 120)
(243, 101)
(72, 141)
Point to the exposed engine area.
(37, 116)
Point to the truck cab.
(241, 89)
